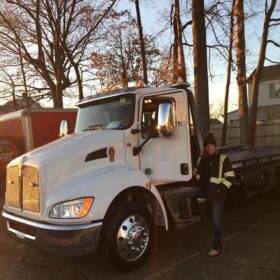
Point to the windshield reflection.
(110, 113)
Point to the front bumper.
(66, 240)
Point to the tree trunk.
(201, 91)
(224, 130)
(58, 61)
(257, 75)
(241, 72)
(179, 65)
(25, 92)
(79, 81)
(142, 43)
(175, 72)
(181, 57)
(14, 94)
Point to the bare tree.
(258, 72)
(142, 41)
(53, 37)
(216, 112)
(274, 41)
(179, 66)
(18, 82)
(229, 68)
(121, 60)
(241, 71)
(7, 80)
(201, 90)
(164, 71)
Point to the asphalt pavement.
(251, 251)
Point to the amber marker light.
(86, 206)
(148, 186)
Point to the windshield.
(110, 113)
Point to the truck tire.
(129, 235)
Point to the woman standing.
(215, 176)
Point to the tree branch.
(273, 43)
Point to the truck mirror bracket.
(137, 150)
(135, 130)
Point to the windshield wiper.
(94, 127)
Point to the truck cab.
(139, 118)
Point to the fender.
(104, 184)
(157, 195)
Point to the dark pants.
(217, 215)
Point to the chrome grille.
(13, 187)
(31, 190)
(23, 191)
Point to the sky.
(152, 22)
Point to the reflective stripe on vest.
(216, 180)
(227, 183)
(198, 161)
(222, 159)
(220, 179)
(229, 174)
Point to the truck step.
(180, 223)
(182, 204)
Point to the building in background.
(269, 92)
(21, 104)
(269, 95)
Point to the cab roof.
(123, 91)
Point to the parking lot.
(251, 251)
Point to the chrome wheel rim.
(133, 237)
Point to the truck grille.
(23, 191)
(13, 187)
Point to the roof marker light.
(135, 84)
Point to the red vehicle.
(27, 129)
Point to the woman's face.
(210, 149)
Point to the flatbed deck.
(257, 154)
(244, 160)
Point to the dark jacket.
(214, 175)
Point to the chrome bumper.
(67, 240)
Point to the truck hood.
(69, 155)
(84, 142)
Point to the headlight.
(72, 209)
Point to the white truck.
(121, 174)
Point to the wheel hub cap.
(133, 237)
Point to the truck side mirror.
(63, 130)
(165, 120)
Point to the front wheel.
(129, 235)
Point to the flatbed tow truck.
(122, 173)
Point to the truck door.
(166, 157)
